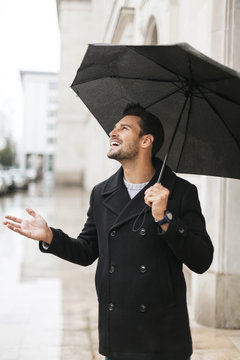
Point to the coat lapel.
(117, 200)
(115, 193)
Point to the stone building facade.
(211, 26)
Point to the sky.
(29, 40)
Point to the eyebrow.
(123, 125)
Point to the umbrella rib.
(183, 82)
(220, 95)
(154, 62)
(174, 82)
(220, 117)
(143, 79)
(165, 97)
(178, 85)
(216, 80)
(128, 78)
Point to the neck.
(138, 170)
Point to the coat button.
(111, 307)
(142, 308)
(143, 268)
(112, 269)
(142, 232)
(113, 233)
(181, 230)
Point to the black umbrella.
(196, 99)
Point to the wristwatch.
(167, 218)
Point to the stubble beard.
(122, 155)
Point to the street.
(49, 306)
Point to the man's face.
(124, 138)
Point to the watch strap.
(166, 219)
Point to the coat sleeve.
(82, 250)
(187, 236)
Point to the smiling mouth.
(114, 143)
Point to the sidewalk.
(49, 306)
(215, 344)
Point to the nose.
(113, 132)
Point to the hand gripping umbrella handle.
(144, 209)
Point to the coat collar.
(116, 197)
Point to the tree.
(8, 154)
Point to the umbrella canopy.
(196, 99)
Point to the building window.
(52, 86)
(52, 100)
(51, 126)
(151, 37)
(51, 113)
(51, 140)
(50, 162)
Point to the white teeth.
(115, 143)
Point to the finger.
(150, 198)
(160, 190)
(27, 234)
(149, 190)
(160, 187)
(11, 224)
(12, 227)
(152, 192)
(31, 212)
(13, 218)
(158, 184)
(148, 202)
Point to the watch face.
(169, 215)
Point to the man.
(139, 280)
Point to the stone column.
(75, 22)
(216, 294)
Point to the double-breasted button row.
(142, 269)
(142, 308)
(142, 232)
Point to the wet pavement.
(48, 306)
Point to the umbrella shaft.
(172, 139)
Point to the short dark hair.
(149, 124)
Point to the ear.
(147, 141)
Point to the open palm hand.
(34, 228)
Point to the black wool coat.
(139, 280)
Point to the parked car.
(32, 174)
(8, 178)
(3, 185)
(20, 178)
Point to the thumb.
(31, 212)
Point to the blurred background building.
(5, 132)
(212, 27)
(37, 148)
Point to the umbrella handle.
(172, 139)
